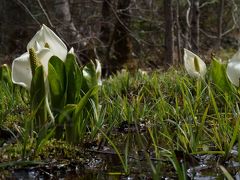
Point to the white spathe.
(46, 44)
(233, 69)
(21, 69)
(99, 72)
(190, 65)
(46, 35)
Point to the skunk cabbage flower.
(46, 38)
(233, 69)
(43, 46)
(194, 64)
(142, 72)
(99, 72)
(92, 73)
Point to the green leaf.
(66, 118)
(84, 101)
(45, 133)
(219, 76)
(66, 113)
(226, 173)
(57, 82)
(90, 76)
(38, 98)
(57, 86)
(5, 74)
(90, 80)
(73, 79)
(75, 129)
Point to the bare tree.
(220, 22)
(169, 43)
(14, 34)
(105, 33)
(178, 32)
(195, 14)
(121, 39)
(113, 29)
(105, 24)
(65, 25)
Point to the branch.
(28, 11)
(187, 16)
(229, 30)
(207, 3)
(234, 12)
(125, 27)
(208, 35)
(45, 13)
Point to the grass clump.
(158, 118)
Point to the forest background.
(129, 34)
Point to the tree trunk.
(220, 21)
(14, 34)
(106, 18)
(105, 34)
(195, 25)
(121, 38)
(65, 25)
(178, 33)
(186, 29)
(169, 43)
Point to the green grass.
(179, 113)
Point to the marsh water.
(104, 163)
(109, 167)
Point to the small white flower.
(45, 44)
(142, 72)
(92, 73)
(233, 69)
(99, 72)
(71, 51)
(194, 64)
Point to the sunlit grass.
(185, 114)
(179, 114)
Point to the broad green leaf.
(38, 98)
(90, 80)
(82, 103)
(73, 79)
(219, 76)
(66, 113)
(67, 119)
(57, 82)
(76, 127)
(57, 86)
(90, 76)
(37, 91)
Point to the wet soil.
(100, 161)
